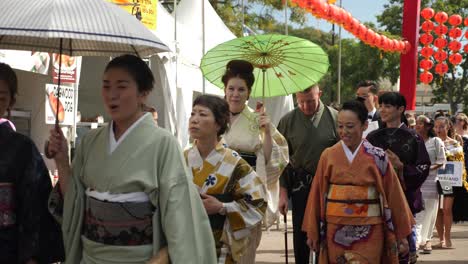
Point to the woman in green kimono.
(232, 193)
(128, 194)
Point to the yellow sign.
(143, 10)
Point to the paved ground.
(271, 249)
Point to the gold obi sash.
(353, 201)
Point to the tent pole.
(286, 17)
(203, 41)
(174, 12)
(338, 92)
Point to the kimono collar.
(8, 122)
(349, 154)
(113, 144)
(216, 155)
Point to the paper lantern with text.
(426, 39)
(455, 45)
(455, 32)
(427, 13)
(441, 17)
(441, 68)
(427, 26)
(441, 30)
(427, 52)
(455, 58)
(440, 55)
(426, 77)
(440, 42)
(426, 64)
(455, 20)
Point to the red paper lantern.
(441, 30)
(455, 33)
(466, 22)
(455, 20)
(440, 42)
(455, 58)
(441, 68)
(377, 40)
(440, 55)
(362, 33)
(407, 46)
(332, 13)
(427, 26)
(370, 36)
(385, 43)
(455, 46)
(322, 9)
(401, 46)
(427, 13)
(465, 48)
(426, 64)
(361, 30)
(466, 34)
(427, 52)
(426, 39)
(426, 77)
(441, 17)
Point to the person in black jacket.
(28, 233)
(366, 92)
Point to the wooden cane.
(285, 217)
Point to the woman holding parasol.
(253, 136)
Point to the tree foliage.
(359, 61)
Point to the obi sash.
(7, 205)
(118, 223)
(217, 220)
(251, 158)
(353, 201)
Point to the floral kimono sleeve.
(248, 207)
(279, 156)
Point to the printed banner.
(66, 109)
(451, 174)
(37, 62)
(68, 71)
(143, 10)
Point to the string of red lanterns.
(337, 15)
(447, 47)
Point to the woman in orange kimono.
(356, 211)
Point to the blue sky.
(363, 10)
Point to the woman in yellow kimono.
(356, 211)
(253, 136)
(231, 191)
(453, 199)
(128, 196)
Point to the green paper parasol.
(283, 64)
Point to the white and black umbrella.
(75, 28)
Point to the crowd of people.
(131, 195)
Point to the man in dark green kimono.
(309, 129)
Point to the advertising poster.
(66, 110)
(143, 10)
(68, 71)
(451, 174)
(37, 62)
